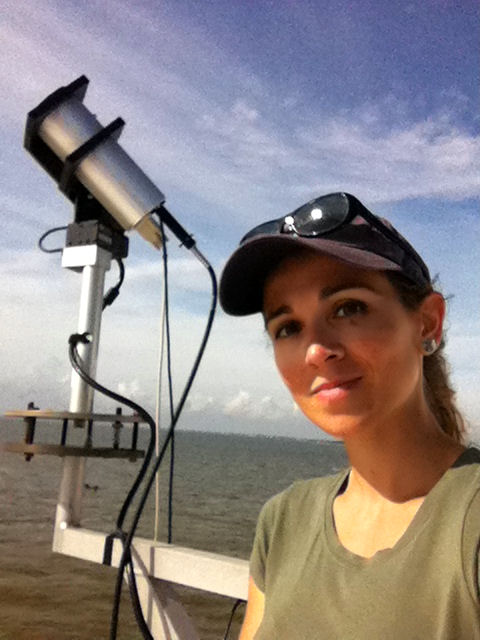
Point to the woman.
(390, 547)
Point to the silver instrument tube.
(109, 173)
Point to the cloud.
(463, 350)
(185, 274)
(463, 355)
(270, 409)
(132, 389)
(198, 403)
(432, 158)
(262, 408)
(238, 405)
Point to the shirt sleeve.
(471, 546)
(261, 543)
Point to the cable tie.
(108, 549)
(75, 338)
(110, 297)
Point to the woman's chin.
(339, 426)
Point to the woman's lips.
(334, 389)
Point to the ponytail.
(440, 395)
(438, 391)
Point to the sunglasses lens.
(273, 226)
(321, 215)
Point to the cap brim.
(243, 277)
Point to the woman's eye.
(350, 308)
(286, 330)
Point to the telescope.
(92, 169)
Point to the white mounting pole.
(164, 613)
(93, 262)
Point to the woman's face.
(345, 346)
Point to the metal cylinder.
(109, 173)
(89, 319)
(94, 264)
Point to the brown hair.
(439, 393)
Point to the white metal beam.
(204, 570)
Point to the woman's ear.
(432, 312)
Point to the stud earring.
(429, 346)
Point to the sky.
(239, 111)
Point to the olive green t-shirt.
(424, 588)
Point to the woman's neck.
(403, 461)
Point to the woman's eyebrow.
(284, 308)
(330, 291)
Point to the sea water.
(220, 484)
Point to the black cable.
(77, 366)
(120, 534)
(113, 292)
(136, 604)
(76, 363)
(170, 389)
(234, 608)
(45, 235)
(135, 600)
(170, 490)
(150, 481)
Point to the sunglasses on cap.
(325, 214)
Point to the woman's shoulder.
(303, 495)
(465, 482)
(315, 487)
(465, 471)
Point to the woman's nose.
(319, 352)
